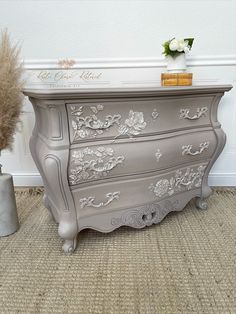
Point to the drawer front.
(96, 162)
(129, 193)
(134, 118)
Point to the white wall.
(122, 41)
(107, 29)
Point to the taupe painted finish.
(137, 154)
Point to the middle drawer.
(93, 162)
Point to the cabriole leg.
(69, 246)
(68, 231)
(201, 203)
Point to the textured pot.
(176, 64)
(8, 214)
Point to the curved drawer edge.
(97, 163)
(112, 196)
(138, 175)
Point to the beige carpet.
(186, 264)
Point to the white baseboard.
(34, 179)
(27, 179)
(222, 179)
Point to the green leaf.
(190, 41)
(167, 51)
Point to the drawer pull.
(186, 149)
(99, 166)
(89, 201)
(184, 113)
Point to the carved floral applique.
(182, 180)
(145, 215)
(89, 164)
(91, 125)
(133, 125)
(161, 187)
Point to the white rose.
(182, 44)
(186, 49)
(173, 45)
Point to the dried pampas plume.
(11, 83)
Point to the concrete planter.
(8, 214)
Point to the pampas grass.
(11, 83)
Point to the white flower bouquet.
(174, 46)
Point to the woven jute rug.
(186, 264)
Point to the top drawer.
(111, 119)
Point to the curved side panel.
(53, 170)
(220, 143)
(49, 146)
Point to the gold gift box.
(176, 79)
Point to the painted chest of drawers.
(118, 157)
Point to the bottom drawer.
(129, 193)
